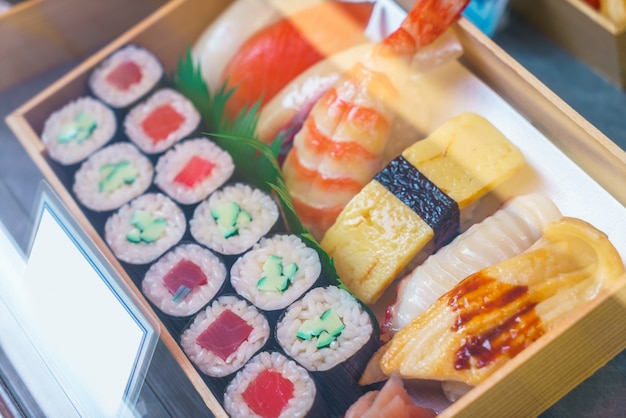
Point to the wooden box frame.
(535, 379)
(582, 31)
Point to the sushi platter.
(208, 238)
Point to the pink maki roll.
(193, 169)
(161, 120)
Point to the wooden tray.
(39, 34)
(536, 378)
(582, 31)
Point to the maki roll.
(125, 76)
(112, 176)
(144, 228)
(233, 219)
(330, 334)
(271, 385)
(161, 120)
(325, 328)
(276, 272)
(184, 280)
(224, 336)
(192, 170)
(79, 128)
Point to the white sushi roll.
(112, 177)
(270, 385)
(76, 130)
(161, 120)
(233, 219)
(184, 279)
(193, 169)
(508, 232)
(144, 228)
(325, 328)
(275, 272)
(224, 336)
(125, 76)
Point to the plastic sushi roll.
(145, 228)
(225, 335)
(271, 385)
(233, 219)
(184, 280)
(126, 76)
(161, 120)
(112, 177)
(330, 334)
(193, 169)
(76, 130)
(276, 272)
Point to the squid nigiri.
(494, 314)
(508, 232)
(340, 146)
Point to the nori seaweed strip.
(428, 201)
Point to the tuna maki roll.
(192, 170)
(184, 280)
(112, 176)
(125, 76)
(233, 219)
(224, 336)
(276, 272)
(271, 385)
(76, 130)
(161, 120)
(145, 228)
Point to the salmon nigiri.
(274, 55)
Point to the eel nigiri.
(416, 200)
(508, 232)
(494, 314)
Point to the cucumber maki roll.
(160, 121)
(224, 336)
(112, 177)
(73, 132)
(276, 272)
(145, 228)
(330, 334)
(192, 170)
(126, 76)
(233, 219)
(184, 279)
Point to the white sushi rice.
(119, 225)
(87, 179)
(175, 160)
(357, 332)
(304, 386)
(213, 268)
(208, 362)
(248, 270)
(165, 96)
(74, 151)
(259, 205)
(151, 72)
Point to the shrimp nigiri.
(339, 148)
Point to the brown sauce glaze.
(480, 295)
